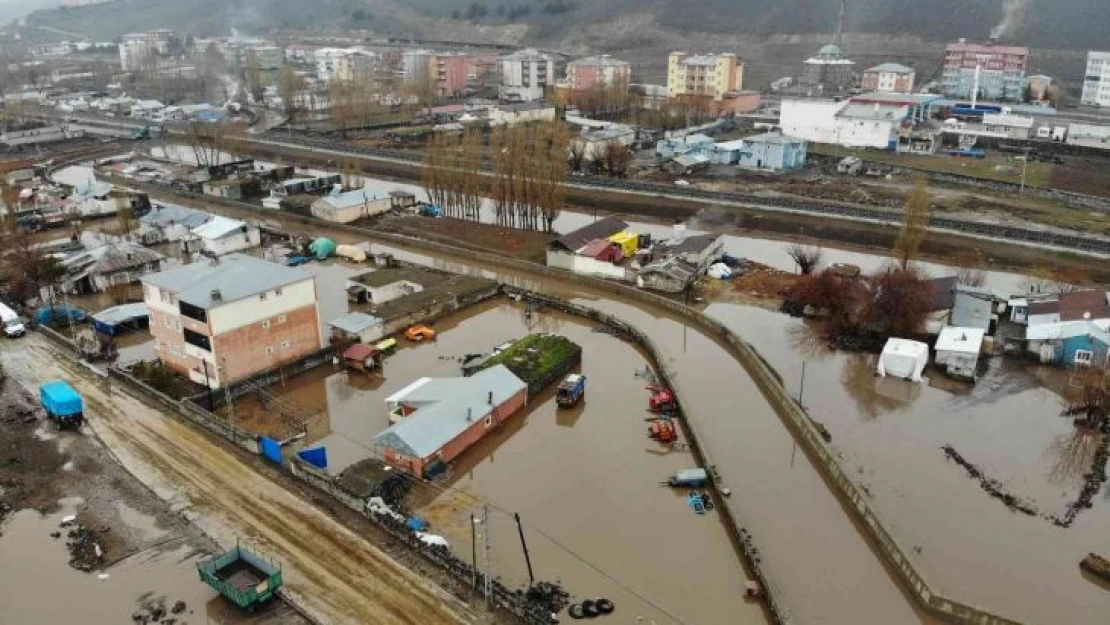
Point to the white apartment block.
(525, 75)
(1096, 81)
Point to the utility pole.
(69, 318)
(524, 545)
(474, 551)
(207, 384)
(485, 541)
(227, 398)
(802, 386)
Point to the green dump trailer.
(242, 576)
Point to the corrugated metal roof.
(355, 197)
(164, 215)
(445, 408)
(218, 227)
(111, 258)
(235, 276)
(121, 314)
(601, 229)
(1066, 330)
(971, 311)
(355, 322)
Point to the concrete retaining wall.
(766, 379)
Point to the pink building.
(453, 72)
(584, 74)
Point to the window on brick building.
(269, 350)
(285, 344)
(196, 339)
(281, 318)
(265, 323)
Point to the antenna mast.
(840, 24)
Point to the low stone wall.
(769, 383)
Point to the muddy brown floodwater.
(889, 434)
(585, 481)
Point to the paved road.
(338, 576)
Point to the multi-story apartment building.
(224, 320)
(888, 78)
(585, 74)
(711, 75)
(344, 64)
(1096, 81)
(141, 50)
(526, 75)
(453, 72)
(1000, 70)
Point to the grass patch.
(537, 358)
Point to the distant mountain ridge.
(1062, 24)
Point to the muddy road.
(336, 575)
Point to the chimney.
(469, 414)
(216, 295)
(491, 398)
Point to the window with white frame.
(285, 344)
(1083, 356)
(281, 319)
(265, 323)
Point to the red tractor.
(661, 400)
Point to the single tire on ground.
(575, 611)
(589, 608)
(605, 606)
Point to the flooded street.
(889, 433)
(337, 575)
(585, 480)
(819, 563)
(37, 577)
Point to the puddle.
(146, 525)
(39, 586)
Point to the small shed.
(903, 358)
(628, 241)
(958, 351)
(362, 357)
(356, 326)
(972, 310)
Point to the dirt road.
(335, 574)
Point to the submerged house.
(221, 235)
(437, 419)
(1068, 343)
(958, 351)
(580, 252)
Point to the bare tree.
(617, 157)
(252, 75)
(290, 90)
(897, 302)
(970, 264)
(915, 222)
(1089, 398)
(577, 153)
(806, 257)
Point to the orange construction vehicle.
(663, 430)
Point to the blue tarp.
(45, 316)
(59, 398)
(270, 449)
(317, 457)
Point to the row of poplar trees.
(521, 170)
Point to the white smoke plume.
(1013, 13)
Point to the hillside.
(1055, 24)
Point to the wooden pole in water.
(527, 558)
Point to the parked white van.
(13, 325)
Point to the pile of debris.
(993, 487)
(551, 597)
(85, 552)
(152, 610)
(1092, 484)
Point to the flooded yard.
(889, 434)
(585, 481)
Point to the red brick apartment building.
(220, 321)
